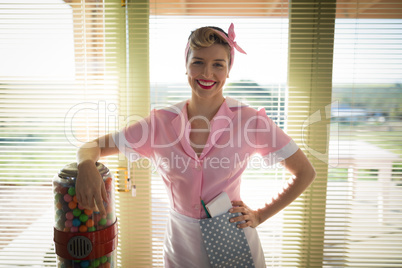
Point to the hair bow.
(230, 39)
(232, 43)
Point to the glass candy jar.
(82, 237)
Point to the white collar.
(233, 103)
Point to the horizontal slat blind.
(58, 88)
(364, 194)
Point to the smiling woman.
(252, 35)
(88, 61)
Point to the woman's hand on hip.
(249, 217)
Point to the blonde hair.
(205, 37)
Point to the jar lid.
(71, 170)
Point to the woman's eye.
(197, 62)
(218, 65)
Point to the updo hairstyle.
(205, 37)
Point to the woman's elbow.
(313, 174)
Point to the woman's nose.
(207, 72)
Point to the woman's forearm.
(303, 175)
(89, 152)
(294, 188)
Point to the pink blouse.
(237, 135)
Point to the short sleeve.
(273, 143)
(134, 141)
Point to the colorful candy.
(65, 207)
(68, 198)
(83, 229)
(84, 264)
(71, 191)
(71, 217)
(68, 223)
(77, 212)
(90, 223)
(63, 190)
(83, 218)
(88, 212)
(102, 221)
(103, 259)
(72, 205)
(76, 222)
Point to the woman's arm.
(90, 189)
(303, 175)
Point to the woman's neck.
(206, 108)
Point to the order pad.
(219, 205)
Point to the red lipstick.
(206, 84)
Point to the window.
(37, 71)
(328, 73)
(56, 90)
(363, 215)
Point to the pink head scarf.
(229, 39)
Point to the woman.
(201, 147)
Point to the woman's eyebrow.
(198, 58)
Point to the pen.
(205, 208)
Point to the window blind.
(59, 87)
(364, 194)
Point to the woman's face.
(207, 70)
